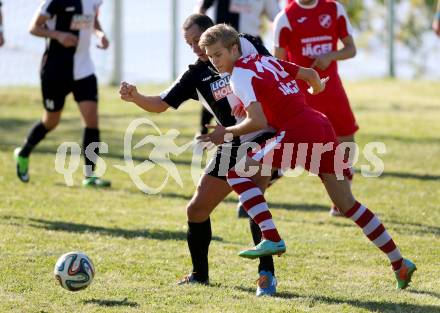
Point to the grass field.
(138, 241)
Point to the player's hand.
(128, 92)
(436, 26)
(217, 137)
(104, 43)
(2, 40)
(322, 62)
(238, 111)
(318, 86)
(67, 40)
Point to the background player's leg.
(37, 133)
(209, 193)
(340, 193)
(48, 122)
(89, 115)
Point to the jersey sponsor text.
(221, 88)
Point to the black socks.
(90, 135)
(199, 237)
(36, 134)
(266, 262)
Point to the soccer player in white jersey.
(67, 67)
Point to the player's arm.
(204, 6)
(104, 42)
(38, 28)
(282, 30)
(348, 51)
(153, 104)
(309, 75)
(280, 53)
(255, 120)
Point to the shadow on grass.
(413, 228)
(400, 139)
(371, 306)
(313, 207)
(157, 234)
(404, 175)
(112, 303)
(400, 227)
(9, 147)
(426, 293)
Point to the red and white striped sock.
(376, 232)
(254, 203)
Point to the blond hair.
(226, 34)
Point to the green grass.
(137, 241)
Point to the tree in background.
(413, 25)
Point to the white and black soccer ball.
(74, 271)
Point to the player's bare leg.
(48, 122)
(350, 173)
(89, 116)
(51, 120)
(341, 195)
(209, 193)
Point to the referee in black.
(66, 67)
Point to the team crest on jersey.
(221, 88)
(325, 20)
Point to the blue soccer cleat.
(266, 284)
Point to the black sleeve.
(256, 42)
(206, 4)
(51, 7)
(183, 89)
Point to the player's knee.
(51, 123)
(196, 212)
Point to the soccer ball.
(74, 271)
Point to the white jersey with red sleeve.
(272, 83)
(309, 31)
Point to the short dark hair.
(202, 21)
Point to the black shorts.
(55, 90)
(227, 156)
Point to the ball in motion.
(74, 271)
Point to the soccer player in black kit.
(201, 82)
(66, 67)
